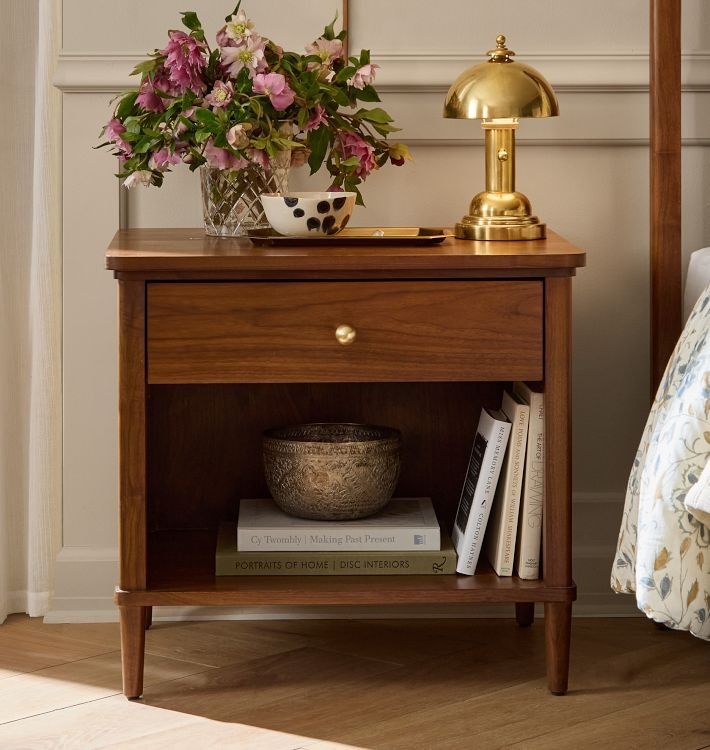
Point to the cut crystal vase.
(231, 201)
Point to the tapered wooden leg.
(524, 613)
(558, 628)
(148, 617)
(133, 649)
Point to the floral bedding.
(663, 552)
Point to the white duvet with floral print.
(663, 553)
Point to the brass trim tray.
(356, 236)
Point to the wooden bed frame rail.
(665, 173)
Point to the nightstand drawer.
(221, 332)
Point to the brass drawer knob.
(345, 334)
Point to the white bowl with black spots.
(308, 214)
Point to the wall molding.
(412, 71)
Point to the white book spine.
(527, 558)
(350, 540)
(469, 540)
(503, 531)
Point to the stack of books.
(500, 509)
(404, 538)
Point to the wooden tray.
(356, 236)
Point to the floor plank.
(78, 682)
(354, 685)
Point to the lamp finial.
(501, 53)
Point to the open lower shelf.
(181, 572)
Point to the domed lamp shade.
(500, 92)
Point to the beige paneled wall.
(586, 173)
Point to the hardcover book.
(231, 562)
(503, 524)
(527, 555)
(404, 524)
(479, 488)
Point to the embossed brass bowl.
(331, 471)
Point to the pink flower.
(151, 95)
(187, 114)
(258, 157)
(148, 99)
(328, 50)
(142, 177)
(363, 76)
(249, 56)
(220, 158)
(223, 40)
(299, 156)
(239, 27)
(162, 159)
(221, 94)
(113, 131)
(317, 118)
(238, 135)
(275, 86)
(185, 61)
(351, 144)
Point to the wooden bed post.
(665, 255)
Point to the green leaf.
(190, 19)
(202, 135)
(145, 145)
(303, 117)
(318, 143)
(234, 12)
(340, 96)
(383, 128)
(353, 161)
(368, 94)
(147, 66)
(125, 106)
(364, 57)
(207, 118)
(377, 115)
(329, 31)
(344, 74)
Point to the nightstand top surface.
(182, 251)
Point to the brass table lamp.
(499, 92)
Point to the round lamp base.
(498, 231)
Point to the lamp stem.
(500, 157)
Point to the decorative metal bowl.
(332, 471)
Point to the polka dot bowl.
(308, 214)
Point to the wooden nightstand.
(220, 339)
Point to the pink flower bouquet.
(247, 101)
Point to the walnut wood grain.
(145, 251)
(665, 175)
(132, 434)
(557, 512)
(133, 622)
(406, 331)
(189, 451)
(214, 431)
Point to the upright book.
(229, 561)
(404, 524)
(503, 523)
(479, 488)
(527, 555)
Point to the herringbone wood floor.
(327, 684)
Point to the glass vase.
(231, 202)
